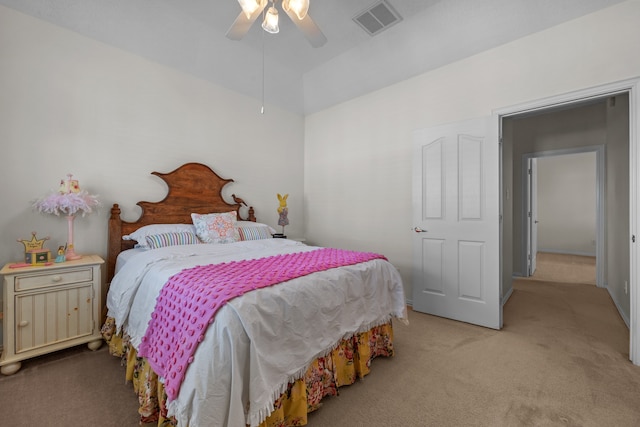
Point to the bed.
(233, 327)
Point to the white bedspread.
(261, 341)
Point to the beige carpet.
(73, 387)
(552, 267)
(561, 360)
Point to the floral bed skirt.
(350, 360)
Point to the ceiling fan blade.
(308, 28)
(242, 24)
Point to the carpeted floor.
(73, 387)
(560, 360)
(552, 267)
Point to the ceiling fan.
(296, 9)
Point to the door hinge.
(633, 238)
(529, 171)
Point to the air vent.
(377, 18)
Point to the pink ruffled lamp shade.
(68, 201)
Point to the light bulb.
(270, 23)
(299, 7)
(250, 6)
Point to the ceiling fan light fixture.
(299, 7)
(270, 23)
(250, 6)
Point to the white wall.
(567, 204)
(69, 104)
(358, 154)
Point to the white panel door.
(456, 258)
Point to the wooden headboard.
(193, 188)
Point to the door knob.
(419, 230)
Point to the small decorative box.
(37, 256)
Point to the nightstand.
(48, 308)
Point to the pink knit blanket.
(189, 300)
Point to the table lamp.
(68, 200)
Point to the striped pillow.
(255, 232)
(171, 239)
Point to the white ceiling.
(189, 35)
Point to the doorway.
(503, 192)
(563, 203)
(618, 136)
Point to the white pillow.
(216, 227)
(140, 235)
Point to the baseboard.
(561, 252)
(507, 296)
(625, 319)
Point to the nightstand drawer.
(62, 277)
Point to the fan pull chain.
(262, 37)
